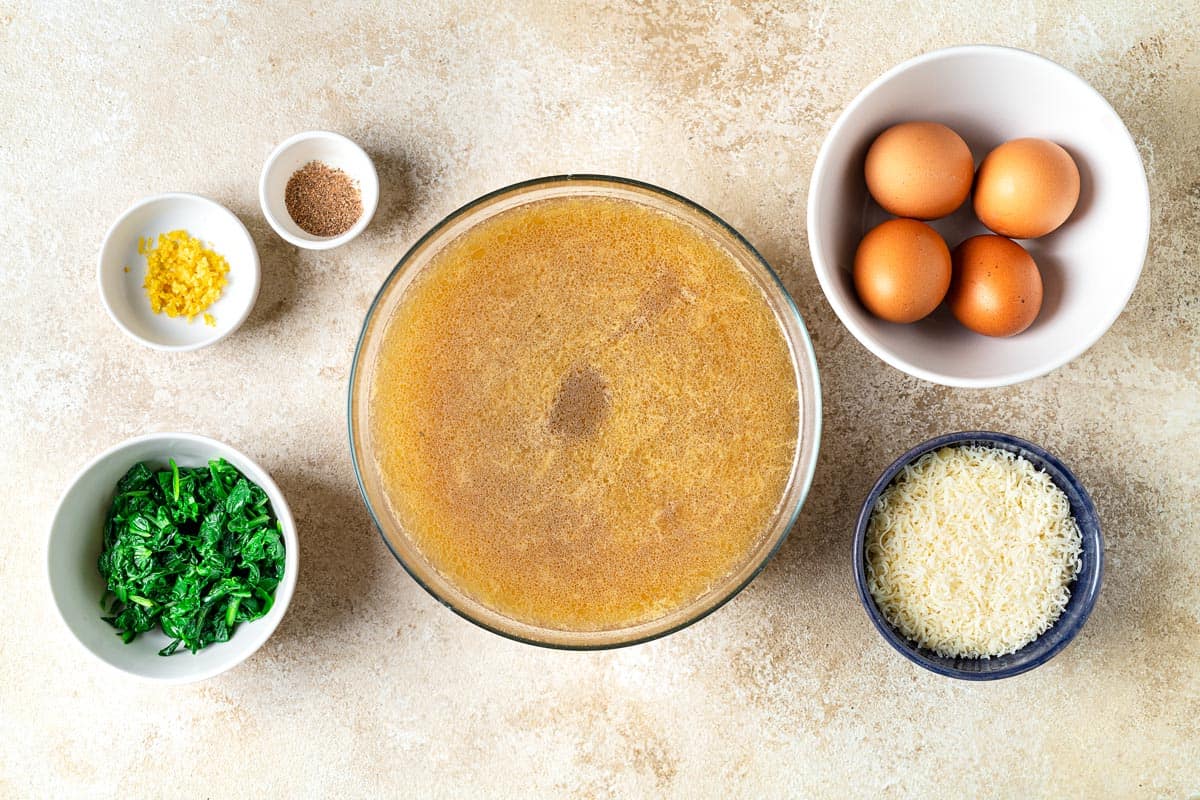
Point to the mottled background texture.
(369, 687)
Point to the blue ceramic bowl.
(1083, 591)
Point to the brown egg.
(902, 270)
(921, 170)
(996, 288)
(1026, 188)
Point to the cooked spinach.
(193, 550)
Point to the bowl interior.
(124, 293)
(365, 362)
(335, 151)
(76, 538)
(1089, 266)
(1083, 591)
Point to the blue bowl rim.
(1089, 526)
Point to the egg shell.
(921, 170)
(902, 270)
(1026, 188)
(996, 287)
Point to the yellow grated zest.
(183, 277)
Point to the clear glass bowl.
(366, 357)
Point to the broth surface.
(585, 413)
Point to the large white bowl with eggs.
(1089, 266)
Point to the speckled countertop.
(371, 688)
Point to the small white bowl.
(76, 538)
(989, 95)
(124, 294)
(335, 151)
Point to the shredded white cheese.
(971, 551)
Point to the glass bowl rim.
(805, 361)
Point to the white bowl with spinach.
(172, 557)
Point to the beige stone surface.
(369, 687)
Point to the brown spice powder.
(322, 200)
(582, 405)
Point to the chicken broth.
(585, 413)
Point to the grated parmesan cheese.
(970, 552)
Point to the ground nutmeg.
(322, 200)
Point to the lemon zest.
(183, 277)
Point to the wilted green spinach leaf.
(195, 551)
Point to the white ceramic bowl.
(334, 150)
(989, 95)
(76, 537)
(124, 295)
